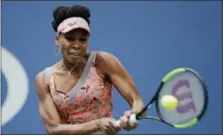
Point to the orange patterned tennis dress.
(89, 99)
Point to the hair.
(63, 12)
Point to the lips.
(75, 53)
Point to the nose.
(76, 46)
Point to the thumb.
(128, 113)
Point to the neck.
(75, 67)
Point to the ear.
(57, 36)
(56, 41)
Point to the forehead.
(77, 32)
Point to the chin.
(75, 59)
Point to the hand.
(126, 123)
(109, 126)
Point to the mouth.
(75, 54)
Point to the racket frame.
(156, 97)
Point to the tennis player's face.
(74, 44)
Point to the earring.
(57, 50)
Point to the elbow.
(60, 129)
(53, 130)
(50, 130)
(53, 133)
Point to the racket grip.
(132, 119)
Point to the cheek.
(65, 46)
(63, 52)
(63, 43)
(64, 49)
(85, 46)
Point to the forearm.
(85, 128)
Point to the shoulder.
(105, 57)
(41, 77)
(104, 54)
(45, 74)
(48, 69)
(42, 81)
(107, 62)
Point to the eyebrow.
(71, 35)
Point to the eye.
(83, 39)
(69, 38)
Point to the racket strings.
(190, 98)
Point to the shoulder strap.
(91, 60)
(47, 74)
(93, 54)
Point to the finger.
(111, 128)
(132, 125)
(107, 128)
(121, 122)
(116, 126)
(124, 122)
(128, 114)
(104, 130)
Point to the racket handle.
(132, 119)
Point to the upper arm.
(118, 75)
(47, 107)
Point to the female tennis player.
(75, 94)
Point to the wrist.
(137, 106)
(98, 123)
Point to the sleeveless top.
(89, 99)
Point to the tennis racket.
(188, 87)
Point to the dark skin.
(74, 46)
